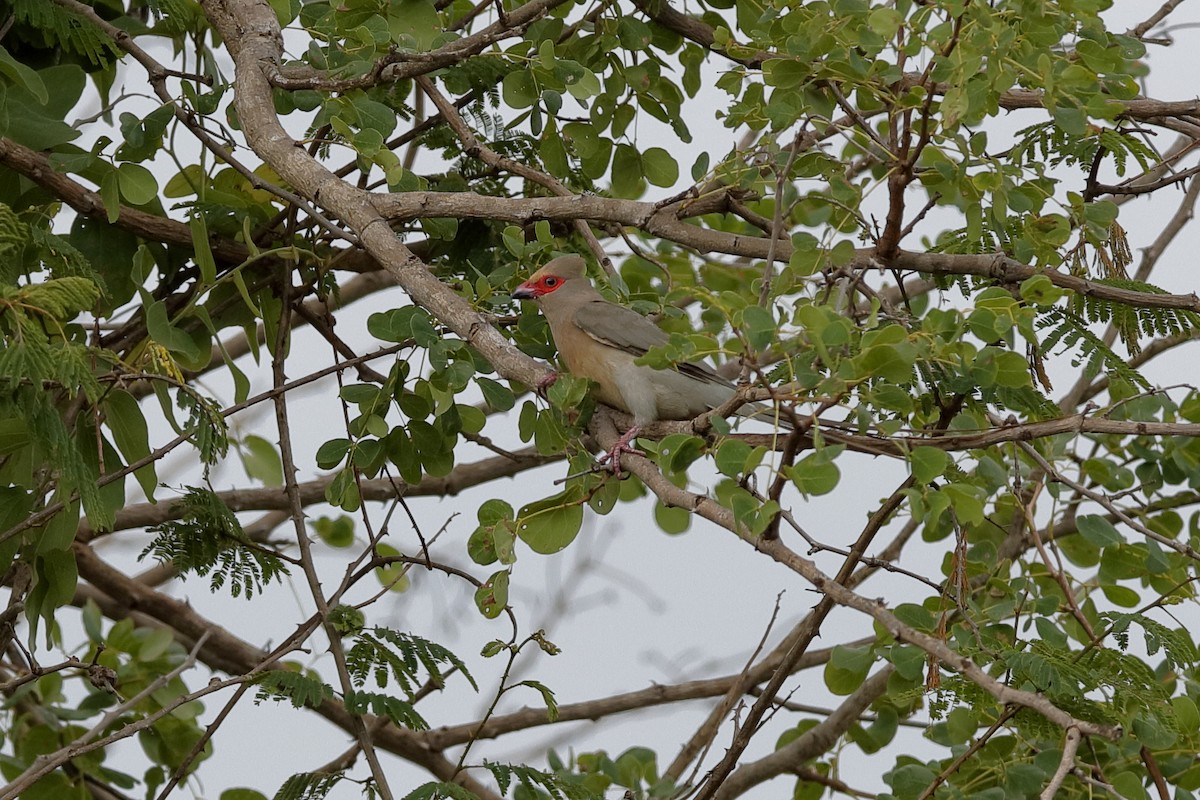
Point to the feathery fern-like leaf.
(1094, 355)
(63, 28)
(392, 655)
(537, 782)
(207, 538)
(301, 689)
(440, 790)
(400, 712)
(308, 786)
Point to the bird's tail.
(770, 414)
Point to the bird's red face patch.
(534, 289)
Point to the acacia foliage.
(879, 252)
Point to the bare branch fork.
(835, 592)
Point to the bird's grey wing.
(619, 327)
(626, 330)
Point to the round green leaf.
(660, 166)
(1097, 530)
(492, 597)
(334, 531)
(394, 576)
(549, 525)
(671, 519)
(847, 668)
(928, 463)
(137, 183)
(627, 172)
(815, 474)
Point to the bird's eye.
(550, 281)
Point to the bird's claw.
(613, 457)
(545, 383)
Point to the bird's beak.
(524, 292)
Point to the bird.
(601, 341)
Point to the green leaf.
(1149, 731)
(184, 182)
(1122, 562)
(547, 698)
(1024, 780)
(671, 519)
(815, 474)
(554, 155)
(928, 463)
(1040, 291)
(498, 396)
(393, 576)
(38, 125)
(414, 21)
(285, 12)
(1129, 785)
(627, 177)
(519, 89)
(59, 532)
(331, 453)
(393, 326)
(847, 668)
(1098, 530)
(733, 457)
(56, 577)
(759, 326)
(1186, 712)
(334, 531)
(168, 334)
(261, 460)
(909, 660)
(966, 502)
(242, 794)
(678, 451)
(549, 525)
(786, 73)
(660, 166)
(910, 780)
(204, 257)
(342, 491)
(1012, 370)
(604, 498)
(1121, 596)
(23, 76)
(137, 183)
(491, 597)
(131, 435)
(110, 194)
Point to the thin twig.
(1065, 764)
(476, 149)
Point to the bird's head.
(563, 271)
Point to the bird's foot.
(623, 446)
(545, 383)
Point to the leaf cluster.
(388, 655)
(206, 538)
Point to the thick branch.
(312, 492)
(441, 738)
(37, 168)
(253, 36)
